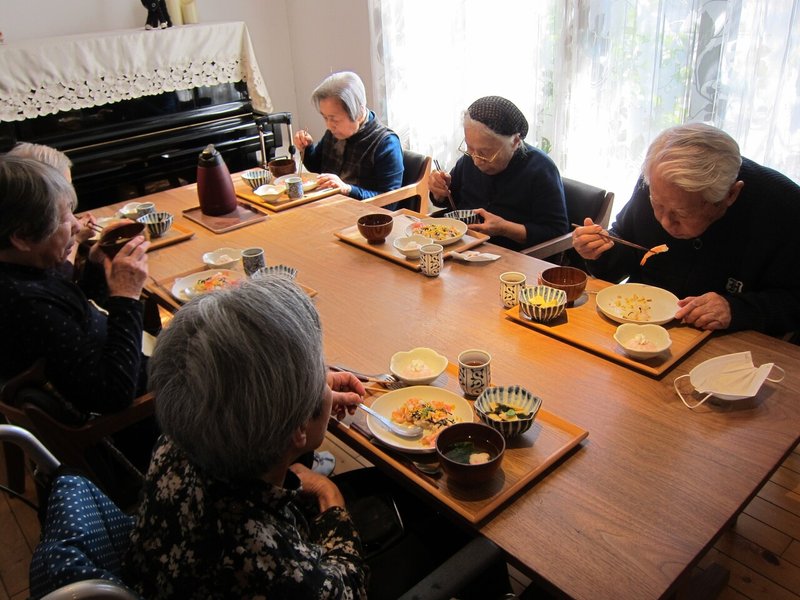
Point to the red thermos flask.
(214, 184)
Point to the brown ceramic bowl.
(117, 234)
(569, 279)
(375, 227)
(281, 166)
(455, 444)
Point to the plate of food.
(637, 303)
(197, 284)
(309, 181)
(439, 230)
(431, 408)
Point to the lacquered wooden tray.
(527, 456)
(387, 250)
(162, 288)
(283, 201)
(174, 235)
(586, 327)
(244, 215)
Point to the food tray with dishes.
(594, 319)
(280, 200)
(173, 235)
(458, 240)
(174, 291)
(526, 456)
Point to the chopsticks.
(95, 227)
(449, 195)
(616, 239)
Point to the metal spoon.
(402, 430)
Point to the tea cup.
(474, 371)
(511, 282)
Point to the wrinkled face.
(337, 121)
(684, 215)
(489, 154)
(53, 250)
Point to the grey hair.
(467, 120)
(346, 87)
(30, 199)
(46, 154)
(236, 372)
(696, 158)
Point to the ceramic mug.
(253, 260)
(294, 187)
(145, 208)
(474, 371)
(431, 259)
(511, 282)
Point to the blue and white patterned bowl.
(158, 223)
(276, 270)
(533, 297)
(465, 216)
(257, 177)
(513, 395)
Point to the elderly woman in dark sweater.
(514, 187)
(358, 155)
(92, 354)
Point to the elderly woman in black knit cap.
(514, 187)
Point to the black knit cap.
(500, 115)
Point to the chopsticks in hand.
(95, 227)
(616, 239)
(449, 195)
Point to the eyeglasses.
(462, 147)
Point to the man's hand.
(709, 311)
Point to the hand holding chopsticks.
(616, 239)
(449, 195)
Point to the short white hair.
(346, 87)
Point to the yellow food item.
(506, 412)
(633, 308)
(542, 303)
(431, 415)
(436, 232)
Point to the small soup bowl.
(281, 166)
(116, 235)
(461, 443)
(375, 227)
(569, 279)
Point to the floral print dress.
(198, 537)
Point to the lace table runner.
(45, 76)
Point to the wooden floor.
(762, 552)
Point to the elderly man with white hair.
(730, 226)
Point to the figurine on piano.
(157, 15)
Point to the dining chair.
(28, 401)
(413, 193)
(583, 200)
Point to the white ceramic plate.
(618, 304)
(183, 288)
(460, 227)
(309, 181)
(392, 400)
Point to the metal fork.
(387, 380)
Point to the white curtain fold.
(596, 79)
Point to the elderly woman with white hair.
(242, 392)
(515, 188)
(357, 154)
(729, 225)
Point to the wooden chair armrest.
(550, 247)
(407, 191)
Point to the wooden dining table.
(628, 511)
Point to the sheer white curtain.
(597, 79)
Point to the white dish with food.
(441, 231)
(643, 341)
(409, 246)
(222, 258)
(394, 401)
(420, 366)
(637, 303)
(310, 181)
(197, 284)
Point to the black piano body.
(128, 149)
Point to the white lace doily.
(42, 77)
